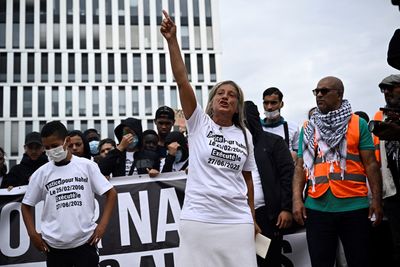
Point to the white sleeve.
(98, 181)
(34, 192)
(197, 119)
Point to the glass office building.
(92, 63)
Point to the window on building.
(199, 96)
(109, 102)
(171, 9)
(95, 101)
(196, 22)
(110, 128)
(150, 73)
(137, 68)
(163, 73)
(17, 67)
(28, 127)
(3, 67)
(31, 67)
(121, 24)
(97, 126)
(57, 67)
(134, 24)
(71, 67)
(97, 67)
(95, 10)
(15, 31)
(200, 68)
(41, 124)
(147, 30)
(13, 101)
(68, 101)
(44, 67)
(135, 101)
(41, 101)
(82, 101)
(43, 15)
(213, 73)
(3, 25)
(14, 138)
(184, 13)
(84, 125)
(109, 31)
(160, 95)
(27, 102)
(29, 20)
(54, 101)
(122, 101)
(85, 62)
(150, 124)
(70, 125)
(111, 72)
(147, 100)
(56, 25)
(174, 98)
(160, 38)
(188, 66)
(124, 68)
(209, 31)
(82, 23)
(185, 37)
(1, 101)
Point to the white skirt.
(216, 245)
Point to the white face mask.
(56, 154)
(271, 115)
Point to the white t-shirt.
(68, 217)
(293, 130)
(259, 200)
(216, 191)
(128, 162)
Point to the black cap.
(390, 81)
(166, 112)
(132, 123)
(33, 138)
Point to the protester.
(93, 137)
(275, 123)
(272, 185)
(388, 150)
(78, 144)
(177, 158)
(3, 166)
(67, 184)
(147, 161)
(105, 145)
(335, 157)
(217, 223)
(164, 120)
(119, 161)
(32, 159)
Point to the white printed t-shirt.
(68, 216)
(216, 191)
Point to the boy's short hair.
(273, 91)
(54, 128)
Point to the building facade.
(92, 63)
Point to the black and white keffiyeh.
(330, 136)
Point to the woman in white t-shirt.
(217, 225)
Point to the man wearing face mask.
(275, 123)
(67, 184)
(119, 161)
(177, 153)
(93, 137)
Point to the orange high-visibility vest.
(354, 182)
(378, 117)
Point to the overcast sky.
(293, 44)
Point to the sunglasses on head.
(323, 91)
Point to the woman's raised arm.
(186, 93)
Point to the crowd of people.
(247, 175)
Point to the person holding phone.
(217, 225)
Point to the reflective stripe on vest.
(353, 182)
(378, 117)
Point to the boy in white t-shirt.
(67, 184)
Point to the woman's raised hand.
(168, 27)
